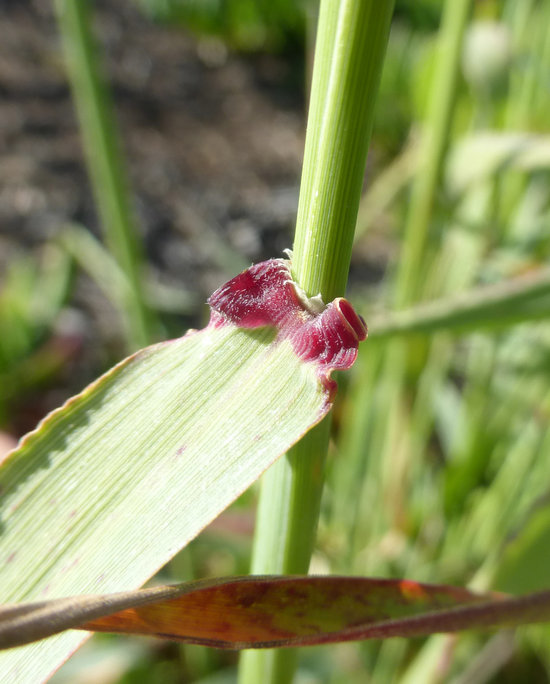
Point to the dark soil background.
(213, 142)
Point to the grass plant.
(438, 469)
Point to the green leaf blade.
(112, 485)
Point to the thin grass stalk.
(436, 133)
(104, 161)
(347, 68)
(517, 16)
(528, 27)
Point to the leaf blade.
(107, 519)
(276, 611)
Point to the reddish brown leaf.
(260, 612)
(291, 611)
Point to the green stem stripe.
(338, 136)
(351, 42)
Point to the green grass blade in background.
(495, 152)
(105, 163)
(110, 486)
(515, 301)
(435, 140)
(524, 563)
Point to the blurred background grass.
(439, 461)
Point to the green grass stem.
(352, 38)
(339, 127)
(105, 163)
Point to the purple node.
(265, 295)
